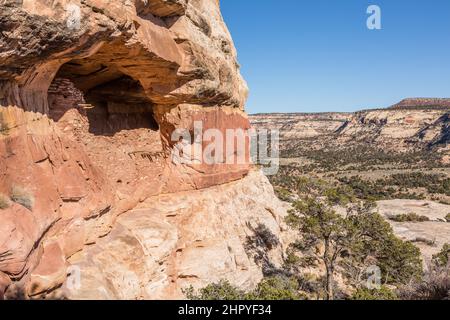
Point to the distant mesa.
(405, 104)
(423, 103)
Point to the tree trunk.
(329, 269)
(329, 282)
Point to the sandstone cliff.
(90, 93)
(411, 125)
(301, 125)
(399, 129)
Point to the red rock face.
(203, 173)
(86, 116)
(49, 181)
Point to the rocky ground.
(429, 236)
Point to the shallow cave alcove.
(111, 100)
(110, 113)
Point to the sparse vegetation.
(359, 156)
(4, 202)
(342, 189)
(271, 288)
(23, 197)
(383, 293)
(435, 285)
(365, 190)
(342, 195)
(447, 217)
(283, 194)
(442, 258)
(410, 217)
(434, 183)
(277, 288)
(222, 290)
(333, 239)
(4, 129)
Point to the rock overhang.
(76, 80)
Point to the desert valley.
(398, 157)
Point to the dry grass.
(23, 197)
(435, 285)
(4, 202)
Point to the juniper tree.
(356, 238)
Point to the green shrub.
(271, 288)
(384, 293)
(277, 288)
(400, 261)
(4, 202)
(23, 197)
(442, 258)
(283, 194)
(447, 217)
(365, 189)
(410, 217)
(340, 195)
(360, 156)
(434, 183)
(222, 290)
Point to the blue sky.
(318, 55)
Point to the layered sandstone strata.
(301, 125)
(400, 130)
(90, 94)
(173, 241)
(411, 125)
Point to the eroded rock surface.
(294, 126)
(430, 236)
(90, 94)
(173, 241)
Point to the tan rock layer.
(414, 126)
(173, 241)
